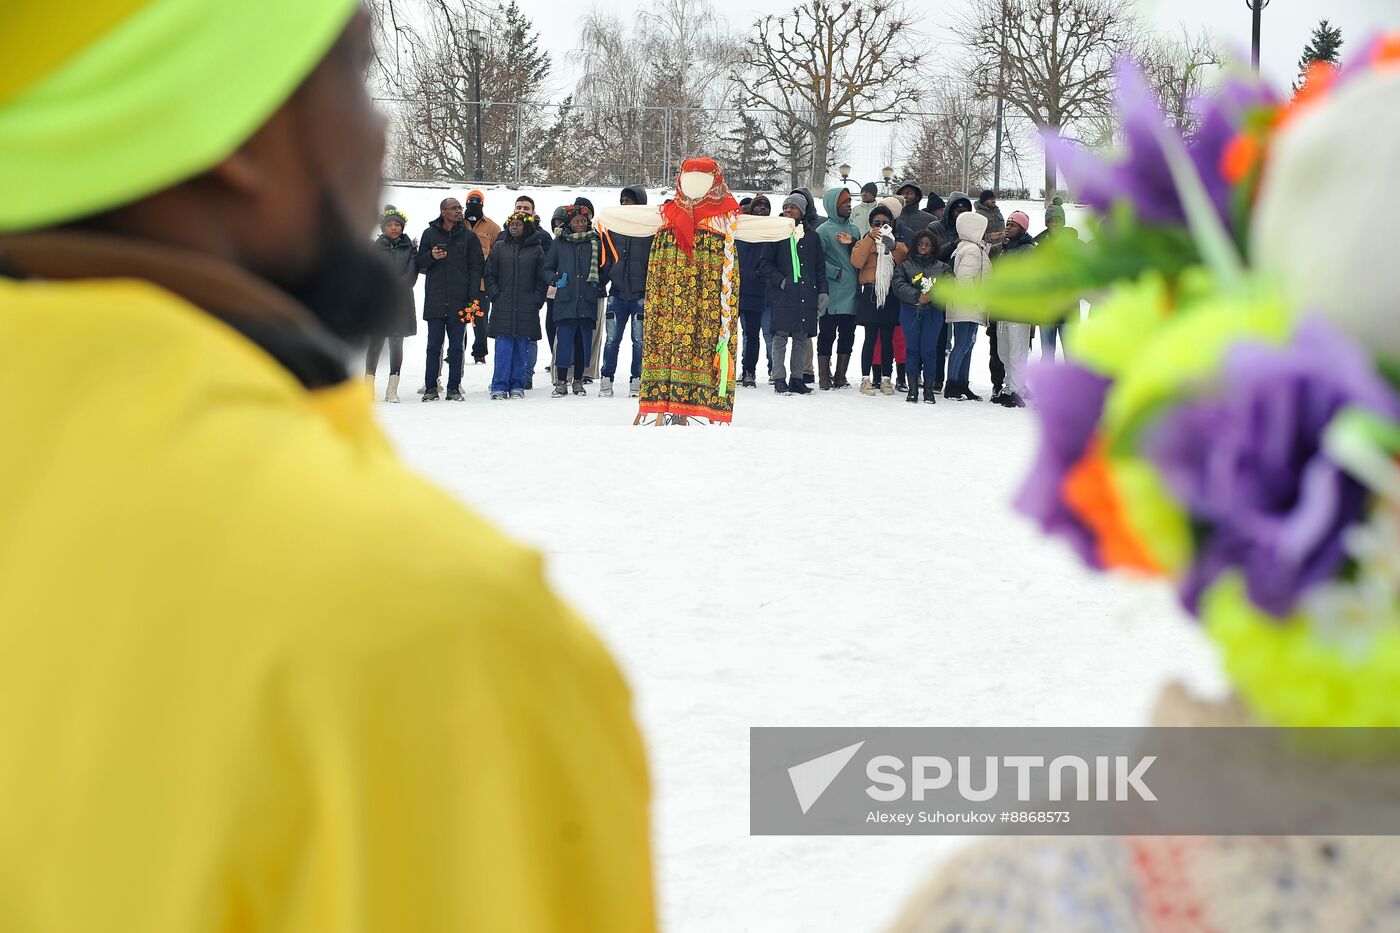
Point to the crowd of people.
(869, 263)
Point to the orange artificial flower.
(1088, 491)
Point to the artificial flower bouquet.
(1229, 420)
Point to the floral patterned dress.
(680, 369)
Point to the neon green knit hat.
(156, 92)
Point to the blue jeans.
(960, 361)
(619, 310)
(564, 337)
(921, 329)
(755, 322)
(532, 355)
(510, 364)
(455, 332)
(1049, 335)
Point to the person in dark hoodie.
(934, 207)
(912, 218)
(399, 249)
(811, 220)
(920, 317)
(755, 313)
(515, 285)
(576, 271)
(798, 295)
(628, 289)
(1013, 338)
(449, 256)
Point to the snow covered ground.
(846, 561)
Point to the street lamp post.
(477, 40)
(887, 173)
(845, 171)
(1256, 7)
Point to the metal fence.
(526, 142)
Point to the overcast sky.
(1286, 23)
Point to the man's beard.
(350, 288)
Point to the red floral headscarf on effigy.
(683, 215)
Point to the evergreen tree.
(1324, 46)
(748, 158)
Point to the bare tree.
(1175, 68)
(1051, 60)
(655, 93)
(955, 145)
(828, 65)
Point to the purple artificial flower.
(1142, 176)
(1069, 400)
(1248, 465)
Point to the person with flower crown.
(574, 274)
(515, 285)
(691, 338)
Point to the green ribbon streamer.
(796, 263)
(723, 351)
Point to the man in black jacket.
(625, 299)
(449, 256)
(798, 295)
(524, 204)
(913, 217)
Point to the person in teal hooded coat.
(838, 320)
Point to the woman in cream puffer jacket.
(971, 261)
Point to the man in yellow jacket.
(230, 703)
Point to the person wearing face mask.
(449, 256)
(876, 256)
(487, 232)
(754, 310)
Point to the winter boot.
(579, 387)
(952, 389)
(605, 388)
(391, 394)
(913, 395)
(561, 388)
(900, 375)
(865, 387)
(634, 387)
(455, 395)
(748, 380)
(824, 372)
(781, 387)
(886, 387)
(799, 387)
(1011, 400)
(838, 379)
(970, 395)
(809, 378)
(930, 393)
(429, 397)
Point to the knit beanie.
(392, 213)
(1055, 212)
(894, 205)
(879, 209)
(870, 188)
(986, 195)
(935, 203)
(1021, 218)
(796, 200)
